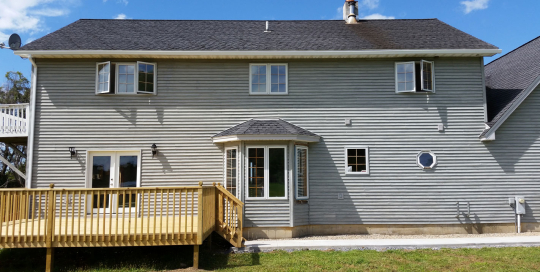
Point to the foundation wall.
(314, 230)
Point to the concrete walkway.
(269, 245)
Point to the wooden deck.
(108, 231)
(118, 217)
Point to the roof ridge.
(286, 125)
(515, 49)
(203, 20)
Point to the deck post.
(196, 256)
(49, 234)
(49, 259)
(200, 212)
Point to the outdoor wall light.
(72, 151)
(154, 150)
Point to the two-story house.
(319, 127)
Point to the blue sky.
(504, 23)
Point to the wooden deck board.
(66, 230)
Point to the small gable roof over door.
(265, 130)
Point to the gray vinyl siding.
(197, 99)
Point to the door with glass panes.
(113, 169)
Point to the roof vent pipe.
(350, 10)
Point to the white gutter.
(30, 140)
(355, 53)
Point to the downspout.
(32, 116)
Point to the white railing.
(14, 120)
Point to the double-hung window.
(268, 78)
(266, 172)
(301, 173)
(414, 77)
(356, 160)
(126, 78)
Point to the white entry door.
(113, 169)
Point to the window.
(415, 77)
(267, 173)
(126, 78)
(426, 160)
(357, 160)
(231, 173)
(302, 179)
(268, 79)
(103, 77)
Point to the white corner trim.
(314, 53)
(491, 132)
(32, 116)
(234, 138)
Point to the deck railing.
(14, 120)
(117, 216)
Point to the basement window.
(126, 78)
(357, 160)
(268, 78)
(415, 77)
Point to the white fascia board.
(236, 54)
(235, 138)
(490, 135)
(489, 138)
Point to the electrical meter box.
(520, 205)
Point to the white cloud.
(339, 14)
(371, 4)
(121, 16)
(125, 2)
(473, 5)
(29, 40)
(25, 16)
(378, 16)
(49, 12)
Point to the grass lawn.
(170, 258)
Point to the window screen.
(405, 77)
(258, 78)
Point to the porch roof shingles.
(265, 127)
(234, 35)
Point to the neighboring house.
(319, 127)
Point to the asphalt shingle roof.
(508, 76)
(89, 34)
(265, 127)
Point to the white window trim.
(266, 173)
(299, 147)
(269, 79)
(426, 152)
(432, 75)
(97, 77)
(396, 76)
(346, 160)
(134, 78)
(137, 77)
(237, 169)
(414, 76)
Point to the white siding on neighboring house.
(197, 99)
